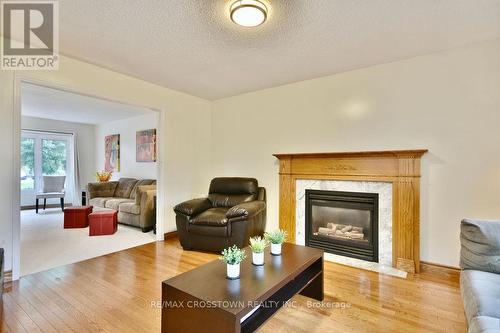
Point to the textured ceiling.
(192, 46)
(42, 102)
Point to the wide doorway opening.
(68, 142)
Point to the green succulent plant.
(258, 244)
(233, 255)
(277, 236)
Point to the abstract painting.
(112, 153)
(146, 146)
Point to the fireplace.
(343, 223)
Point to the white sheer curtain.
(76, 174)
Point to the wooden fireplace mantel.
(400, 167)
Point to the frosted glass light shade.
(248, 13)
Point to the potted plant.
(258, 245)
(276, 238)
(233, 256)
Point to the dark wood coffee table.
(203, 300)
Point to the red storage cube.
(77, 217)
(103, 222)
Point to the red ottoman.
(103, 222)
(77, 217)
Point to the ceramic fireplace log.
(326, 231)
(338, 233)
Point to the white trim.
(161, 170)
(20, 78)
(16, 181)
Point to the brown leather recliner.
(234, 211)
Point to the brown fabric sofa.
(234, 211)
(132, 198)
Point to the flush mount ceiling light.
(248, 13)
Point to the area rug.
(45, 244)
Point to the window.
(54, 157)
(44, 154)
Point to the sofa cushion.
(246, 209)
(480, 293)
(484, 324)
(130, 207)
(230, 191)
(480, 245)
(124, 188)
(140, 183)
(115, 203)
(129, 219)
(99, 202)
(193, 206)
(225, 200)
(149, 190)
(214, 217)
(234, 185)
(106, 189)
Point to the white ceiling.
(192, 46)
(42, 102)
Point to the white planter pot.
(233, 271)
(276, 249)
(258, 258)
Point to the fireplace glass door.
(344, 223)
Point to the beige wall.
(127, 128)
(183, 155)
(448, 103)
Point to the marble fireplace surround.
(399, 169)
(383, 189)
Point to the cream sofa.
(132, 198)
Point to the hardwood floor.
(115, 293)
